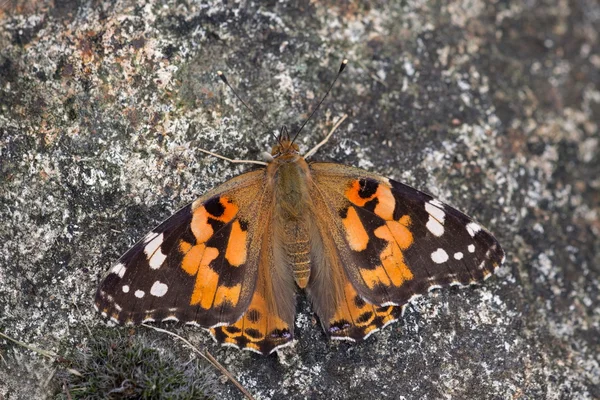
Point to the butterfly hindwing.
(268, 323)
(393, 242)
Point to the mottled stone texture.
(493, 106)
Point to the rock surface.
(493, 106)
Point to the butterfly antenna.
(224, 79)
(344, 62)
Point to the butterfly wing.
(387, 243)
(205, 265)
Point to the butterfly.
(360, 245)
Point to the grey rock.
(492, 106)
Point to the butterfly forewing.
(197, 266)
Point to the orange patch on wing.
(373, 277)
(230, 210)
(356, 318)
(385, 199)
(355, 231)
(386, 313)
(200, 227)
(184, 246)
(228, 294)
(353, 194)
(207, 279)
(255, 325)
(192, 257)
(399, 238)
(386, 203)
(401, 233)
(236, 252)
(358, 315)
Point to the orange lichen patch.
(236, 252)
(385, 199)
(230, 210)
(207, 279)
(355, 231)
(373, 277)
(399, 238)
(201, 229)
(228, 294)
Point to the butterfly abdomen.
(291, 211)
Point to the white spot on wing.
(437, 203)
(153, 252)
(158, 289)
(473, 228)
(349, 339)
(149, 236)
(471, 248)
(435, 210)
(139, 294)
(435, 227)
(370, 333)
(439, 256)
(125, 288)
(118, 269)
(251, 350)
(157, 259)
(435, 224)
(458, 256)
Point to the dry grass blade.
(208, 357)
(45, 353)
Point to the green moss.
(118, 367)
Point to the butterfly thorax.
(290, 175)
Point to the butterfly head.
(285, 147)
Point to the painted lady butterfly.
(360, 245)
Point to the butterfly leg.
(322, 142)
(231, 160)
